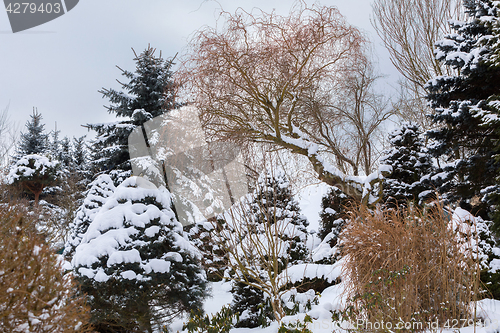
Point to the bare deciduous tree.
(409, 29)
(284, 80)
(8, 136)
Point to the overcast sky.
(59, 66)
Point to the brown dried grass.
(409, 266)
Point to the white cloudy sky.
(59, 67)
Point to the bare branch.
(272, 79)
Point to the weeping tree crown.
(288, 81)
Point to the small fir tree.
(65, 155)
(34, 140)
(410, 162)
(135, 263)
(250, 303)
(33, 173)
(334, 215)
(213, 260)
(273, 213)
(274, 204)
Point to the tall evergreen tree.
(34, 140)
(410, 162)
(65, 154)
(149, 93)
(80, 158)
(465, 109)
(462, 144)
(54, 144)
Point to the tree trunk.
(37, 196)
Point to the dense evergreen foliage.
(34, 140)
(135, 263)
(273, 212)
(334, 214)
(410, 162)
(462, 143)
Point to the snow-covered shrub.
(35, 294)
(410, 265)
(334, 214)
(33, 173)
(251, 305)
(477, 241)
(135, 263)
(213, 259)
(299, 302)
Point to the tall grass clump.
(410, 268)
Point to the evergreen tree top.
(148, 93)
(407, 135)
(34, 140)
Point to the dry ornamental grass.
(410, 266)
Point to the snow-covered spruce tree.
(65, 154)
(334, 215)
(33, 173)
(410, 161)
(464, 105)
(135, 263)
(34, 140)
(462, 143)
(278, 231)
(213, 260)
(274, 203)
(80, 157)
(491, 118)
(149, 93)
(250, 303)
(100, 190)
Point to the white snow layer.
(110, 235)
